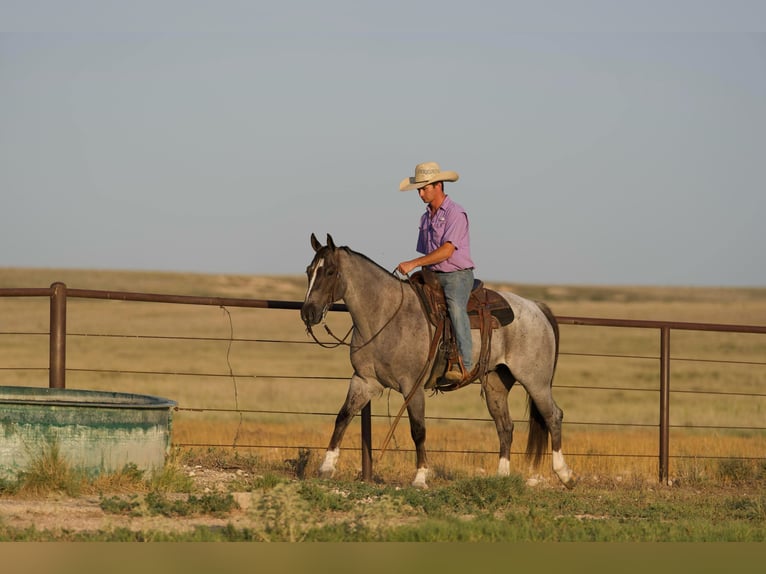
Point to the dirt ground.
(58, 513)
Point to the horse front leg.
(359, 394)
(416, 410)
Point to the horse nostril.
(309, 315)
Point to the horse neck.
(371, 292)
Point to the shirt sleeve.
(456, 228)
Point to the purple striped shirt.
(449, 223)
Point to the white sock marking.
(560, 467)
(328, 464)
(420, 478)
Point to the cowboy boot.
(456, 371)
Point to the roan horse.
(390, 346)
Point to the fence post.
(57, 361)
(664, 402)
(367, 443)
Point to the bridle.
(338, 341)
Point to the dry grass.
(463, 450)
(270, 376)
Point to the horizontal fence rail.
(57, 369)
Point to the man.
(444, 241)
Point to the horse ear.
(315, 243)
(330, 242)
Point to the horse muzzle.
(311, 314)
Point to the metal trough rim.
(98, 399)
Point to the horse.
(390, 346)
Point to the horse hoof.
(571, 483)
(535, 480)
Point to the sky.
(598, 143)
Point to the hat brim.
(409, 183)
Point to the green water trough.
(94, 431)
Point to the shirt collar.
(443, 207)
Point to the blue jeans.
(457, 287)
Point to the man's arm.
(443, 253)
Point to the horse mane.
(364, 257)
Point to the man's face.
(428, 192)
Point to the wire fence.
(658, 420)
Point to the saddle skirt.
(487, 310)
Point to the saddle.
(487, 310)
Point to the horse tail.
(537, 440)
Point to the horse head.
(324, 285)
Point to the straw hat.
(426, 173)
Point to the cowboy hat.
(426, 173)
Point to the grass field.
(234, 371)
(253, 381)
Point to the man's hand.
(443, 253)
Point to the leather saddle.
(487, 310)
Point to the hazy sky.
(596, 142)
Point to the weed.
(215, 504)
(467, 496)
(285, 514)
(746, 507)
(488, 493)
(117, 505)
(132, 473)
(8, 486)
(266, 481)
(298, 465)
(171, 478)
(345, 531)
(322, 499)
(48, 472)
(129, 479)
(737, 471)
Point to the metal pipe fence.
(57, 368)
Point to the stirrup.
(456, 376)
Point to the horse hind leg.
(560, 467)
(496, 389)
(545, 417)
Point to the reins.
(335, 345)
(421, 377)
(342, 341)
